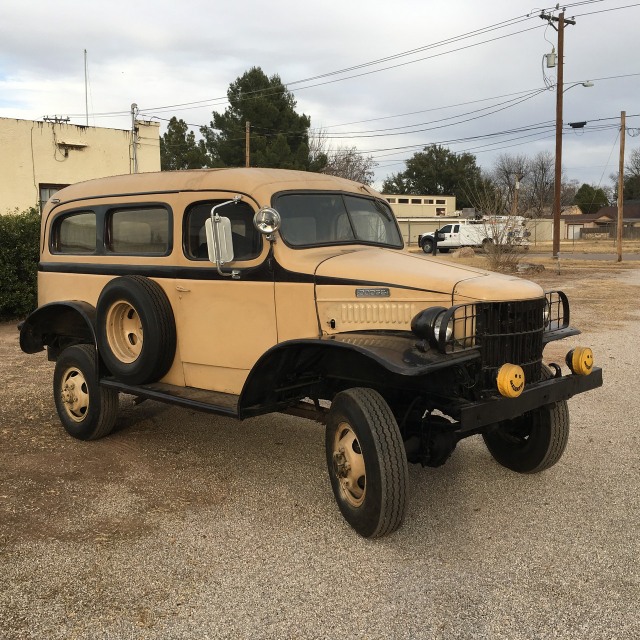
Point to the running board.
(225, 404)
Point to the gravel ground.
(183, 525)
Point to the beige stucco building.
(38, 158)
(408, 206)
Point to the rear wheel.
(87, 410)
(532, 442)
(367, 462)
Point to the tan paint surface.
(225, 326)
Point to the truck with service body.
(498, 230)
(247, 291)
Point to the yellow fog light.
(510, 380)
(580, 360)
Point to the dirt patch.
(54, 487)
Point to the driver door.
(224, 324)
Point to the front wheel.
(87, 410)
(532, 442)
(427, 245)
(367, 462)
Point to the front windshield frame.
(381, 205)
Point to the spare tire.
(136, 330)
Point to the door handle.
(182, 289)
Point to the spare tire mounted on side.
(136, 329)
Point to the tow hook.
(557, 369)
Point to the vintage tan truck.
(247, 291)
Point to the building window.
(47, 190)
(441, 202)
(138, 231)
(416, 200)
(391, 200)
(403, 200)
(429, 201)
(440, 211)
(75, 233)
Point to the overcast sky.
(455, 90)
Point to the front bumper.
(474, 415)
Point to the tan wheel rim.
(348, 465)
(75, 394)
(124, 331)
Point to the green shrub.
(19, 254)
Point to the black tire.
(367, 462)
(87, 410)
(532, 442)
(136, 330)
(427, 245)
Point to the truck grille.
(510, 332)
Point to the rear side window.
(140, 232)
(74, 233)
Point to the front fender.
(58, 323)
(373, 358)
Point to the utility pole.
(559, 93)
(247, 137)
(86, 94)
(519, 177)
(134, 139)
(623, 116)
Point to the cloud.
(159, 55)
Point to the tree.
(590, 199)
(632, 176)
(279, 135)
(179, 149)
(507, 171)
(345, 162)
(436, 171)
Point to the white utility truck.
(502, 230)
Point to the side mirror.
(267, 221)
(219, 240)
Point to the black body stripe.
(268, 271)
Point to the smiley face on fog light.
(580, 360)
(510, 380)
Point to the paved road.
(182, 525)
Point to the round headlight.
(428, 325)
(437, 328)
(267, 220)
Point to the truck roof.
(260, 183)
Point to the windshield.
(317, 219)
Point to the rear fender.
(57, 325)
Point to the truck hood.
(397, 269)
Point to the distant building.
(405, 206)
(39, 158)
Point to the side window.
(138, 231)
(74, 233)
(446, 229)
(247, 241)
(456, 229)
